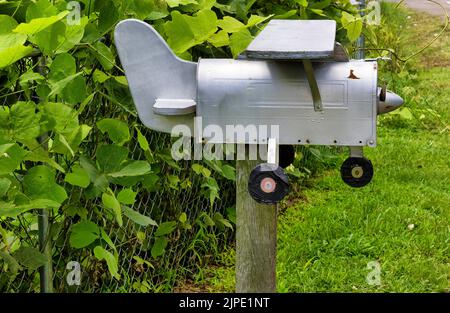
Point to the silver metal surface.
(265, 93)
(154, 72)
(317, 99)
(356, 152)
(272, 151)
(173, 107)
(390, 102)
(294, 39)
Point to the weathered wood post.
(256, 237)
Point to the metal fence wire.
(139, 271)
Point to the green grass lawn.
(401, 220)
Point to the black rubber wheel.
(287, 155)
(268, 183)
(357, 172)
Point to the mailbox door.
(261, 94)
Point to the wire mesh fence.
(187, 247)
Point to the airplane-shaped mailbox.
(293, 74)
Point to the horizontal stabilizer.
(173, 107)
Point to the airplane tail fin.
(164, 87)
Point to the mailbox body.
(263, 93)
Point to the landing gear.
(287, 155)
(268, 183)
(357, 171)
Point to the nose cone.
(388, 102)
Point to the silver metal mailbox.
(254, 92)
(292, 75)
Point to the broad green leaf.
(221, 220)
(5, 147)
(10, 158)
(111, 261)
(151, 181)
(50, 39)
(220, 39)
(75, 91)
(160, 11)
(212, 189)
(73, 210)
(23, 122)
(165, 228)
(104, 55)
(286, 15)
(201, 170)
(100, 77)
(110, 202)
(13, 54)
(73, 35)
(30, 257)
(64, 80)
(99, 180)
(352, 24)
(121, 80)
(59, 117)
(74, 139)
(127, 196)
(39, 183)
(63, 66)
(229, 172)
(134, 168)
(108, 17)
(59, 86)
(39, 24)
(176, 3)
(9, 209)
(107, 239)
(303, 3)
(256, 19)
(5, 183)
(185, 31)
(13, 265)
(159, 247)
(143, 143)
(83, 234)
(183, 218)
(143, 8)
(7, 24)
(65, 143)
(79, 177)
(117, 130)
(111, 157)
(39, 154)
(318, 12)
(7, 37)
(239, 42)
(230, 24)
(30, 76)
(138, 218)
(41, 8)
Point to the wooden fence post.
(256, 237)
